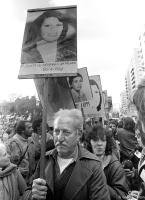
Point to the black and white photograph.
(96, 87)
(79, 86)
(72, 100)
(50, 37)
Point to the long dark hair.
(98, 132)
(71, 78)
(32, 31)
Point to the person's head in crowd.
(76, 82)
(88, 121)
(120, 124)
(129, 124)
(67, 125)
(100, 141)
(139, 101)
(50, 130)
(96, 93)
(113, 125)
(4, 156)
(105, 123)
(37, 126)
(9, 131)
(50, 26)
(24, 128)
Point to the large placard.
(49, 46)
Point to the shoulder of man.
(50, 152)
(83, 154)
(15, 141)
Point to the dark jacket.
(116, 179)
(128, 142)
(86, 182)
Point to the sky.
(107, 33)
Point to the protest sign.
(49, 46)
(96, 87)
(94, 106)
(79, 86)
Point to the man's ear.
(79, 133)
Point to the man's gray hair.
(74, 114)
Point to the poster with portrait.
(94, 107)
(79, 86)
(49, 47)
(96, 87)
(59, 95)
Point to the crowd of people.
(82, 161)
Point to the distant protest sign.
(49, 46)
(59, 96)
(93, 107)
(79, 86)
(96, 87)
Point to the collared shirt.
(62, 171)
(61, 166)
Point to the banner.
(49, 46)
(59, 96)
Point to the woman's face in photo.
(77, 83)
(96, 94)
(51, 29)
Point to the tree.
(26, 106)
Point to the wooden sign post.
(44, 129)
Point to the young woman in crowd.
(100, 143)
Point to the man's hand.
(39, 189)
(133, 195)
(129, 173)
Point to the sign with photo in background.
(94, 106)
(79, 86)
(49, 46)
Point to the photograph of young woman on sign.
(96, 94)
(50, 37)
(75, 83)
